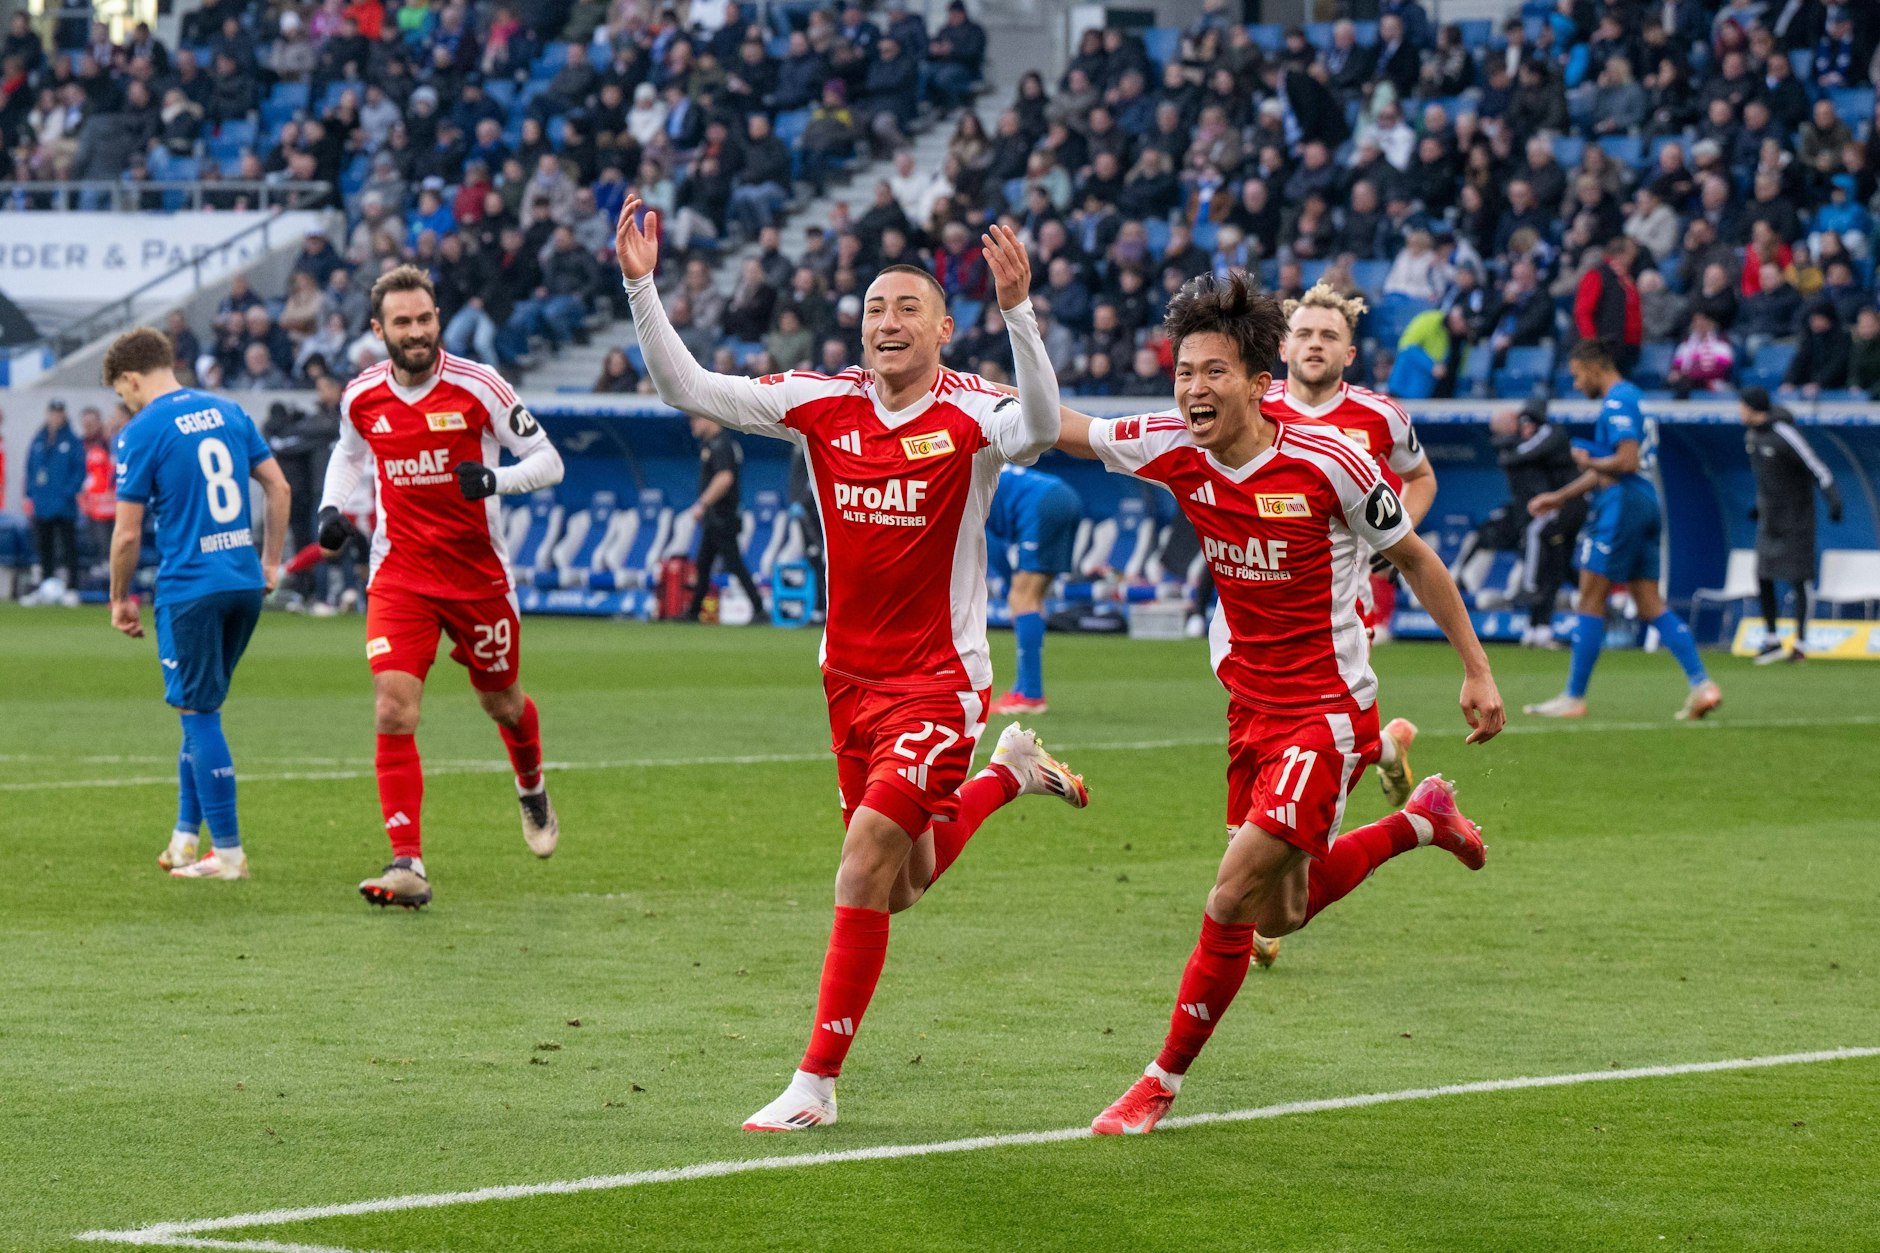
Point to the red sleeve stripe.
(371, 376)
(1164, 424)
(1338, 449)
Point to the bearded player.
(904, 457)
(434, 426)
(1286, 513)
(1320, 345)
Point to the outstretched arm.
(681, 381)
(1423, 570)
(1037, 381)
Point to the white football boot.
(1038, 772)
(809, 1101)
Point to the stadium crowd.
(1693, 180)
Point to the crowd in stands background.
(1694, 180)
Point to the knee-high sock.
(1215, 971)
(1802, 591)
(858, 946)
(214, 769)
(1589, 636)
(524, 742)
(188, 804)
(1029, 628)
(1771, 604)
(980, 796)
(1683, 646)
(401, 793)
(1354, 855)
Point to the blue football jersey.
(187, 457)
(1019, 487)
(1622, 417)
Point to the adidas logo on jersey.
(841, 1026)
(383, 426)
(397, 820)
(850, 443)
(1203, 494)
(1286, 815)
(1196, 1010)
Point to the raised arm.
(1037, 381)
(681, 381)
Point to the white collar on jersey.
(1319, 411)
(893, 419)
(1247, 471)
(412, 395)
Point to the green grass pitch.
(1655, 894)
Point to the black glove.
(1380, 564)
(335, 529)
(1834, 512)
(475, 480)
(1755, 514)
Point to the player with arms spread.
(1622, 534)
(187, 457)
(434, 426)
(903, 458)
(1284, 512)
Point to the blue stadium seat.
(777, 46)
(1319, 34)
(1523, 371)
(1370, 276)
(1477, 33)
(1625, 149)
(1803, 59)
(1366, 32)
(1269, 274)
(1478, 369)
(1156, 232)
(636, 357)
(744, 349)
(966, 313)
(1387, 321)
(1568, 149)
(1162, 43)
(294, 95)
(1769, 365)
(1014, 189)
(227, 156)
(1654, 363)
(275, 115)
(1270, 36)
(1853, 105)
(502, 91)
(791, 124)
(553, 57)
(557, 132)
(240, 132)
(1311, 272)
(1206, 233)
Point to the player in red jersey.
(1282, 511)
(434, 426)
(904, 457)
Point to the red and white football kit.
(1379, 426)
(1285, 537)
(439, 563)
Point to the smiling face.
(1318, 345)
(1216, 395)
(407, 323)
(904, 323)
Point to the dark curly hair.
(1236, 308)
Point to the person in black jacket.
(1821, 362)
(1537, 457)
(720, 460)
(1787, 472)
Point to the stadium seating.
(1850, 577)
(1120, 546)
(1739, 587)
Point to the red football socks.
(1214, 974)
(989, 790)
(524, 742)
(858, 945)
(1353, 857)
(401, 792)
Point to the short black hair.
(1234, 307)
(1594, 351)
(1755, 399)
(916, 270)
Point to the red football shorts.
(902, 754)
(1289, 774)
(402, 629)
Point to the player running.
(1320, 345)
(1620, 542)
(1284, 512)
(1039, 512)
(187, 458)
(434, 426)
(903, 457)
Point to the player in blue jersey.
(1038, 512)
(1620, 541)
(187, 457)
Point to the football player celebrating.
(1284, 512)
(903, 457)
(1320, 345)
(434, 426)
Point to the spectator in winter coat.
(1821, 363)
(55, 473)
(1845, 216)
(1703, 361)
(1772, 313)
(1606, 304)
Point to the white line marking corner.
(185, 1235)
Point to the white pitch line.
(450, 767)
(179, 1234)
